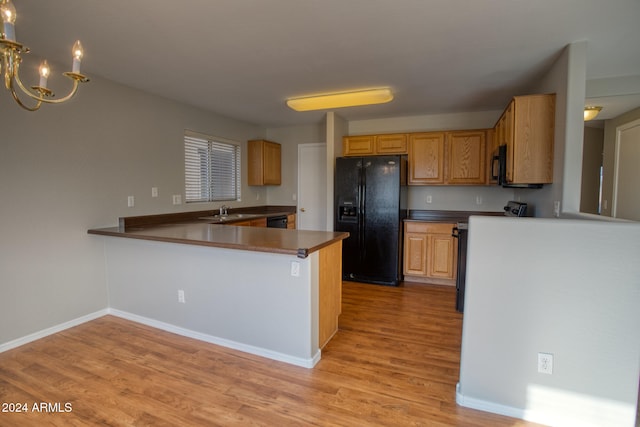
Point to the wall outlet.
(295, 268)
(429, 199)
(545, 363)
(177, 199)
(181, 296)
(556, 208)
(131, 201)
(154, 191)
(478, 200)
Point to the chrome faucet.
(224, 210)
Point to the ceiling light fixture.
(590, 113)
(341, 99)
(12, 51)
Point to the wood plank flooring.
(394, 362)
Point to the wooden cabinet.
(426, 158)
(291, 221)
(362, 145)
(466, 157)
(329, 291)
(430, 252)
(370, 145)
(264, 161)
(527, 128)
(391, 144)
(258, 222)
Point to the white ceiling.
(243, 58)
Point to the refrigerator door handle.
(363, 212)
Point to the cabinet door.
(391, 144)
(291, 221)
(467, 154)
(272, 163)
(441, 252)
(264, 163)
(358, 145)
(426, 158)
(415, 254)
(532, 130)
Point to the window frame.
(205, 166)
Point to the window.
(211, 169)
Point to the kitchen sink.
(229, 217)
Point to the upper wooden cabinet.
(370, 145)
(264, 162)
(527, 129)
(426, 158)
(391, 144)
(466, 157)
(454, 158)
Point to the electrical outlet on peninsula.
(545, 363)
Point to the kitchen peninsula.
(267, 291)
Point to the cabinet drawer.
(429, 227)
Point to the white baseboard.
(483, 405)
(269, 354)
(52, 330)
(258, 351)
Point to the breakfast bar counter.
(272, 292)
(275, 240)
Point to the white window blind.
(211, 169)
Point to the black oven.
(499, 170)
(517, 209)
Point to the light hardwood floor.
(394, 362)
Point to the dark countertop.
(446, 216)
(189, 229)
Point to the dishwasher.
(279, 221)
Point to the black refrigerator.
(370, 204)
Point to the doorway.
(312, 191)
(626, 199)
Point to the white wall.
(566, 287)
(67, 168)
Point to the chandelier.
(12, 51)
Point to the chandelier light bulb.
(44, 73)
(8, 12)
(77, 53)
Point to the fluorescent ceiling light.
(590, 113)
(341, 100)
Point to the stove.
(515, 209)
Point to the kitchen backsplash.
(465, 198)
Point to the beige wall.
(70, 167)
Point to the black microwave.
(499, 171)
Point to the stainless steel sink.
(229, 217)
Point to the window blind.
(211, 170)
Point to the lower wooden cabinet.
(259, 222)
(291, 221)
(430, 252)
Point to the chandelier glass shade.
(12, 51)
(590, 113)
